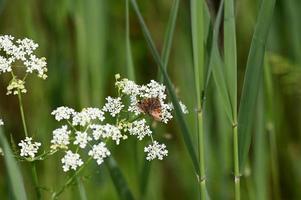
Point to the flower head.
(1, 122)
(71, 161)
(140, 129)
(21, 50)
(85, 117)
(60, 137)
(82, 139)
(99, 152)
(106, 131)
(113, 106)
(29, 148)
(62, 113)
(156, 150)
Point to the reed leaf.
(253, 75)
(14, 173)
(170, 88)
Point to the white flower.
(60, 137)
(21, 50)
(28, 148)
(82, 139)
(156, 150)
(134, 105)
(85, 117)
(99, 152)
(128, 87)
(71, 161)
(140, 129)
(5, 65)
(1, 152)
(153, 90)
(106, 131)
(113, 106)
(166, 114)
(1, 122)
(63, 113)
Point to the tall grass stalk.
(270, 128)
(197, 26)
(230, 57)
(14, 172)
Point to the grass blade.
(230, 58)
(118, 180)
(252, 79)
(14, 173)
(197, 30)
(169, 35)
(128, 50)
(179, 114)
(230, 54)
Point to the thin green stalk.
(34, 174)
(197, 25)
(22, 113)
(236, 163)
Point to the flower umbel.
(29, 148)
(99, 152)
(71, 161)
(155, 150)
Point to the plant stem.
(35, 179)
(201, 155)
(236, 163)
(22, 113)
(34, 174)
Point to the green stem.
(34, 174)
(236, 163)
(22, 113)
(70, 180)
(201, 155)
(35, 179)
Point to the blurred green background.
(85, 46)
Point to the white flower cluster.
(99, 152)
(21, 50)
(1, 122)
(140, 129)
(87, 130)
(28, 147)
(80, 132)
(155, 150)
(113, 106)
(71, 161)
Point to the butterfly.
(151, 106)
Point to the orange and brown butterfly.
(151, 106)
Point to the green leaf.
(253, 76)
(129, 59)
(171, 91)
(217, 66)
(169, 34)
(119, 180)
(230, 54)
(14, 173)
